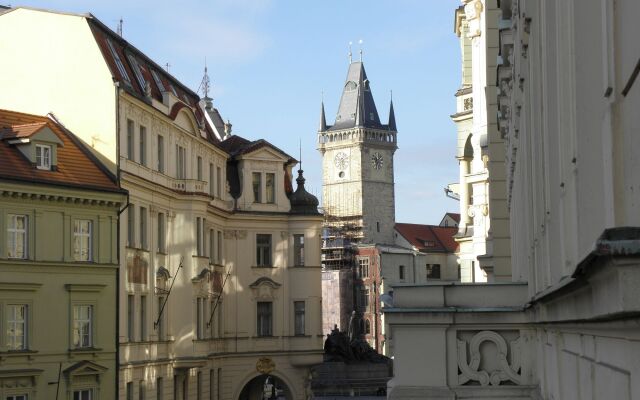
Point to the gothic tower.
(357, 164)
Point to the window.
(137, 72)
(363, 267)
(87, 394)
(257, 186)
(82, 232)
(17, 320)
(130, 135)
(212, 246)
(199, 236)
(219, 248)
(143, 228)
(143, 318)
(199, 168)
(298, 307)
(130, 317)
(158, 81)
(17, 236)
(116, 57)
(43, 156)
(161, 154)
(199, 385)
(212, 388)
(263, 246)
(160, 318)
(161, 233)
(362, 297)
(142, 388)
(298, 250)
(159, 389)
(82, 326)
(131, 228)
(378, 226)
(367, 327)
(18, 397)
(433, 271)
(401, 272)
(211, 187)
(270, 187)
(218, 182)
(200, 318)
(265, 317)
(129, 390)
(181, 166)
(143, 145)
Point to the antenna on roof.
(350, 43)
(300, 147)
(119, 29)
(205, 84)
(360, 42)
(166, 66)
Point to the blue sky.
(269, 61)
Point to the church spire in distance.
(323, 120)
(392, 116)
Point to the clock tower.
(357, 164)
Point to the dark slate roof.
(236, 145)
(357, 107)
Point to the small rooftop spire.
(360, 42)
(205, 86)
(119, 30)
(300, 149)
(392, 116)
(323, 120)
(350, 61)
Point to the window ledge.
(85, 350)
(263, 266)
(15, 353)
(202, 257)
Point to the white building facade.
(566, 326)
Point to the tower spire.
(323, 120)
(392, 116)
(350, 58)
(205, 86)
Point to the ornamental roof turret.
(303, 202)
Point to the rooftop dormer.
(37, 143)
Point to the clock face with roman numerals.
(376, 160)
(341, 160)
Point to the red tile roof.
(76, 166)
(429, 238)
(21, 131)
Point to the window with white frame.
(17, 236)
(82, 326)
(299, 310)
(23, 396)
(263, 250)
(83, 394)
(82, 234)
(17, 326)
(158, 81)
(298, 250)
(363, 267)
(43, 156)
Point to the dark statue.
(348, 348)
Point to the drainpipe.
(118, 174)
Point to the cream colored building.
(58, 264)
(220, 261)
(484, 224)
(566, 326)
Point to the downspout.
(118, 174)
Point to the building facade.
(565, 327)
(59, 264)
(220, 262)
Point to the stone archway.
(265, 387)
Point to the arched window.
(367, 327)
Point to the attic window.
(429, 243)
(157, 80)
(118, 61)
(371, 116)
(138, 72)
(173, 90)
(43, 157)
(351, 85)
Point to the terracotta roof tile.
(21, 131)
(75, 167)
(429, 238)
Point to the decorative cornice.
(19, 286)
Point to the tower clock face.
(341, 160)
(376, 160)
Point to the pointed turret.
(392, 118)
(357, 107)
(323, 120)
(303, 202)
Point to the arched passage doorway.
(265, 387)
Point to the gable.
(186, 121)
(265, 154)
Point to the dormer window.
(43, 157)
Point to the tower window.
(378, 226)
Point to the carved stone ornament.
(473, 11)
(489, 364)
(265, 365)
